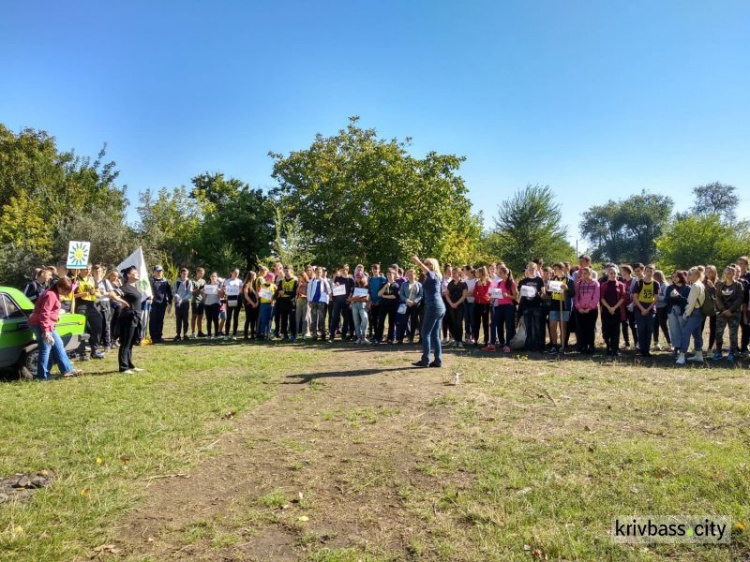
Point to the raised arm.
(421, 264)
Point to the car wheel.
(30, 364)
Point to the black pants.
(745, 341)
(586, 330)
(287, 317)
(114, 323)
(482, 315)
(212, 318)
(447, 319)
(633, 328)
(661, 322)
(374, 320)
(387, 312)
(625, 330)
(105, 311)
(93, 327)
(339, 307)
(457, 322)
(408, 323)
(156, 320)
(572, 327)
(130, 325)
(276, 320)
(251, 321)
(233, 319)
(611, 329)
(182, 313)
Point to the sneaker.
(488, 348)
(450, 343)
(83, 357)
(365, 341)
(201, 335)
(716, 356)
(192, 335)
(97, 355)
(73, 373)
(177, 338)
(698, 357)
(552, 350)
(506, 349)
(128, 372)
(186, 338)
(657, 347)
(681, 359)
(730, 357)
(137, 370)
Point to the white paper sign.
(339, 290)
(401, 309)
(556, 286)
(528, 291)
(266, 294)
(78, 254)
(211, 289)
(232, 289)
(324, 298)
(496, 293)
(361, 292)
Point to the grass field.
(334, 453)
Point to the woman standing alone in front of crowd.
(130, 320)
(434, 310)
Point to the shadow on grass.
(308, 378)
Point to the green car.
(18, 347)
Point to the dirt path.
(326, 462)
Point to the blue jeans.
(676, 326)
(433, 320)
(49, 353)
(693, 327)
(266, 315)
(469, 319)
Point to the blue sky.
(596, 99)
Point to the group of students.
(484, 306)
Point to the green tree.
(623, 231)
(47, 195)
(701, 240)
(527, 227)
(290, 245)
(237, 224)
(358, 197)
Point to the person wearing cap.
(161, 289)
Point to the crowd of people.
(451, 306)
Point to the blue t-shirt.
(376, 283)
(431, 287)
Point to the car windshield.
(9, 309)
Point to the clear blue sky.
(596, 99)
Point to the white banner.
(136, 259)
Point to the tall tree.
(528, 226)
(237, 224)
(626, 230)
(716, 198)
(359, 197)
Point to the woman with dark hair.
(42, 323)
(130, 320)
(677, 295)
(250, 298)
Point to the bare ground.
(326, 462)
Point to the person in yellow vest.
(267, 294)
(645, 293)
(285, 303)
(85, 298)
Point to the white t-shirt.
(232, 290)
(470, 283)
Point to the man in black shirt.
(161, 290)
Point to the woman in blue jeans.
(434, 311)
(693, 318)
(42, 322)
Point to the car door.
(14, 331)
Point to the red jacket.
(482, 293)
(46, 311)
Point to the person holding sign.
(531, 289)
(503, 295)
(562, 291)
(232, 288)
(286, 292)
(586, 302)
(211, 305)
(85, 299)
(434, 310)
(343, 286)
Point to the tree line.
(349, 197)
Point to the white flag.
(136, 259)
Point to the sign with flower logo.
(78, 254)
